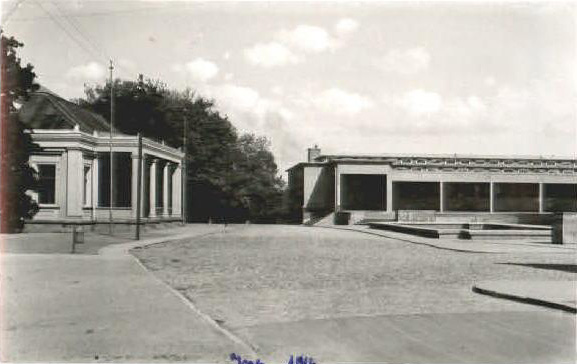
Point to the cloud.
(277, 90)
(307, 38)
(346, 26)
(335, 100)
(506, 110)
(127, 63)
(270, 55)
(92, 71)
(406, 61)
(419, 102)
(489, 81)
(291, 46)
(200, 69)
(249, 111)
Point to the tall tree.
(16, 176)
(253, 181)
(229, 177)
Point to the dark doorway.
(416, 196)
(466, 196)
(363, 191)
(517, 197)
(560, 197)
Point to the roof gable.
(46, 110)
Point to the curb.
(123, 250)
(523, 299)
(409, 241)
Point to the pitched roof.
(46, 110)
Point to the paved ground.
(61, 243)
(346, 296)
(336, 295)
(78, 308)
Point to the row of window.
(123, 182)
(122, 186)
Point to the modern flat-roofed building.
(73, 165)
(349, 188)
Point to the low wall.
(363, 216)
(416, 215)
(530, 218)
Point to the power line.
(59, 24)
(91, 41)
(11, 11)
(79, 31)
(93, 50)
(95, 14)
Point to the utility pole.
(111, 199)
(184, 177)
(139, 187)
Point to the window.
(122, 180)
(47, 183)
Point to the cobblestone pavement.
(272, 274)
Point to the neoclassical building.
(433, 187)
(73, 165)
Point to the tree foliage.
(16, 145)
(230, 177)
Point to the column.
(541, 197)
(61, 193)
(143, 191)
(89, 183)
(95, 186)
(165, 176)
(389, 193)
(491, 197)
(74, 183)
(176, 190)
(337, 190)
(152, 192)
(134, 197)
(441, 196)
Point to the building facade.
(73, 165)
(432, 187)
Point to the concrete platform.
(469, 246)
(559, 295)
(470, 231)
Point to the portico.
(77, 166)
(74, 169)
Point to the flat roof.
(384, 157)
(381, 158)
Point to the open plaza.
(201, 292)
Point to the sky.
(351, 77)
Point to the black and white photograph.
(288, 182)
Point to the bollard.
(77, 237)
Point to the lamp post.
(184, 175)
(111, 199)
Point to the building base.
(66, 226)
